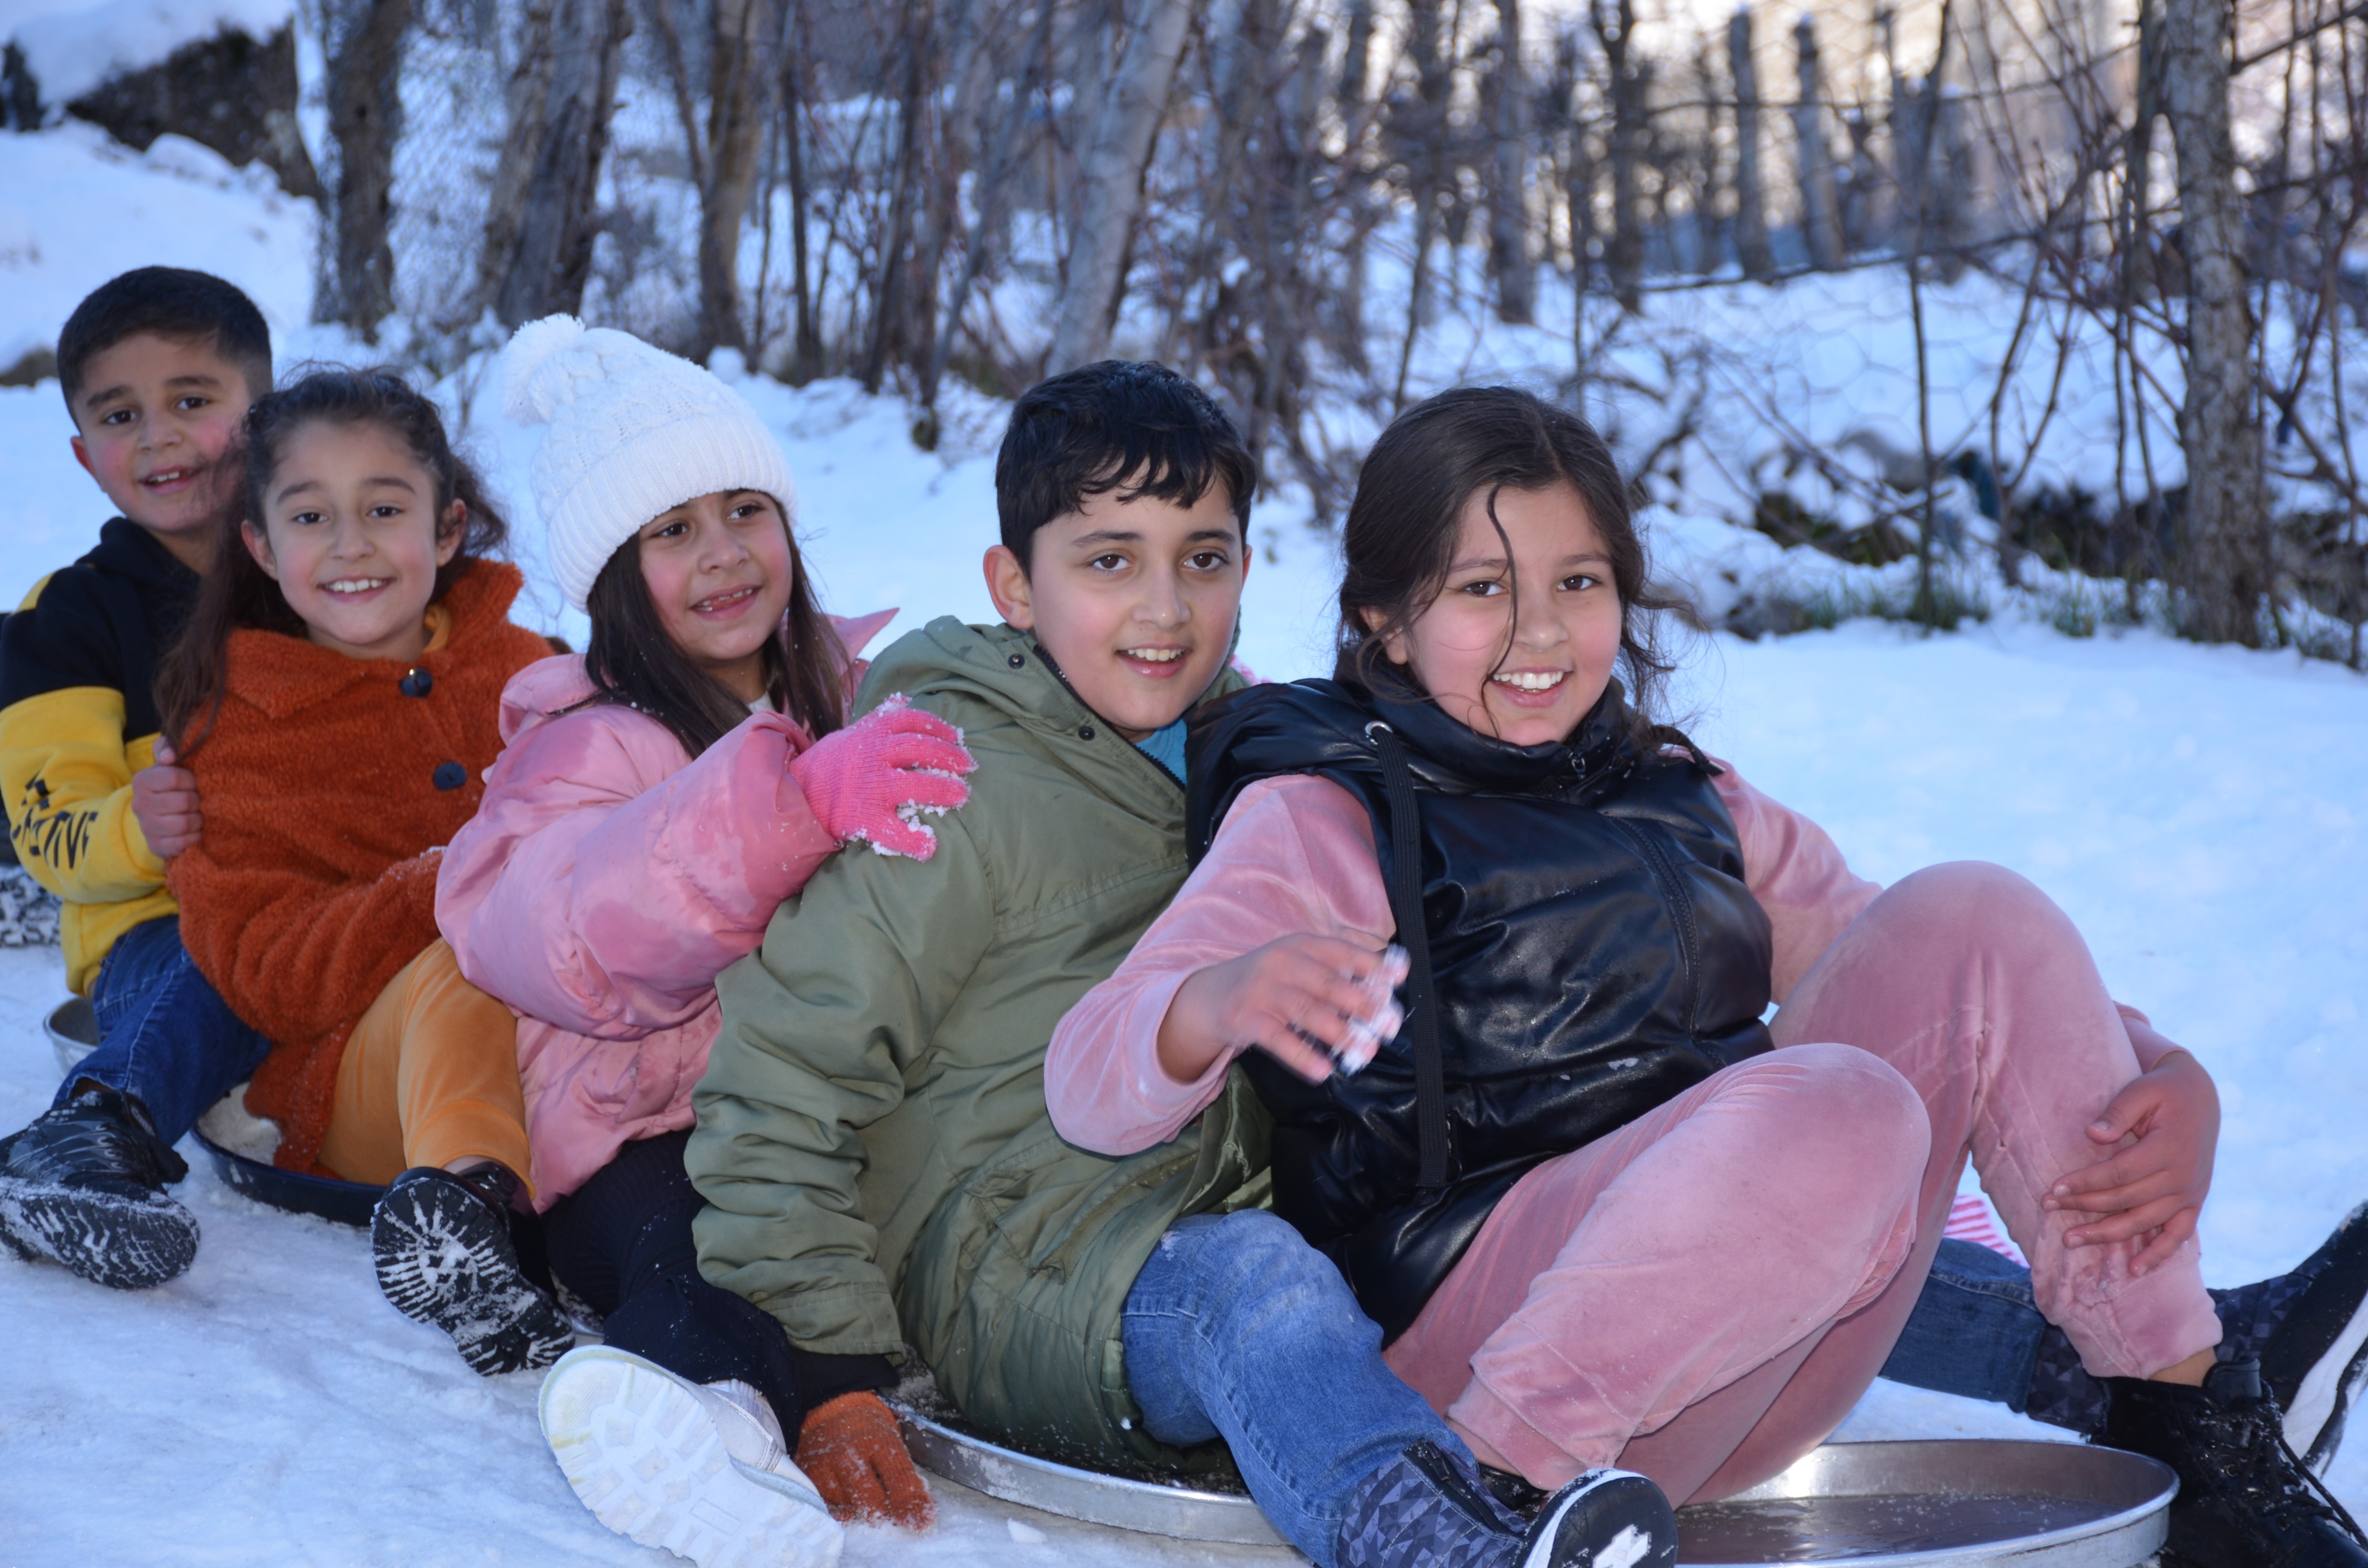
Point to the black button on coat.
(1595, 952)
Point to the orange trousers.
(429, 1077)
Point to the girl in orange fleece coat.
(337, 694)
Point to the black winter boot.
(2307, 1327)
(446, 1259)
(2315, 1356)
(83, 1185)
(1427, 1509)
(2244, 1500)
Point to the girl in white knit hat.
(660, 796)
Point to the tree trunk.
(1111, 194)
(806, 361)
(1915, 127)
(1509, 193)
(2224, 565)
(1615, 25)
(971, 76)
(896, 257)
(1750, 207)
(743, 68)
(364, 121)
(2137, 242)
(1821, 214)
(1355, 109)
(542, 220)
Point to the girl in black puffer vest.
(1598, 1209)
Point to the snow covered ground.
(2199, 811)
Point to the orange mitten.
(851, 1450)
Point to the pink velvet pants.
(1703, 1295)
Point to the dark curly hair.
(236, 592)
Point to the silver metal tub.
(1946, 1504)
(1943, 1503)
(72, 1030)
(1177, 1511)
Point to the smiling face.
(721, 571)
(1519, 648)
(1134, 599)
(154, 417)
(350, 534)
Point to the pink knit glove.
(874, 779)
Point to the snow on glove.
(874, 779)
(1381, 1018)
(850, 1450)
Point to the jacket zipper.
(1681, 911)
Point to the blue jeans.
(166, 1036)
(1973, 1332)
(1237, 1328)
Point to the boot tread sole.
(641, 1453)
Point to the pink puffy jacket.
(606, 881)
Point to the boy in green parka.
(872, 1140)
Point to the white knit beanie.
(634, 432)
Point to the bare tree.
(1508, 192)
(1821, 215)
(543, 214)
(1111, 197)
(365, 122)
(1614, 22)
(2227, 566)
(743, 72)
(945, 160)
(1417, 134)
(805, 343)
(1751, 211)
(996, 178)
(914, 115)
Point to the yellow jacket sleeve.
(65, 772)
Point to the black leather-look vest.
(1594, 952)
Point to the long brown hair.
(632, 659)
(236, 592)
(1400, 535)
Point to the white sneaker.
(702, 1472)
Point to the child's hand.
(2167, 1122)
(1297, 998)
(850, 1450)
(164, 798)
(872, 778)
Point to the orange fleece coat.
(329, 793)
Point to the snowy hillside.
(2199, 811)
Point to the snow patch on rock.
(71, 48)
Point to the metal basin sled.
(1960, 1502)
(1182, 1512)
(1948, 1504)
(231, 1137)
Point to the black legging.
(623, 1243)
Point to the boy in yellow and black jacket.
(158, 366)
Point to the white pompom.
(526, 397)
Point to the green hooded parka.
(872, 1142)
